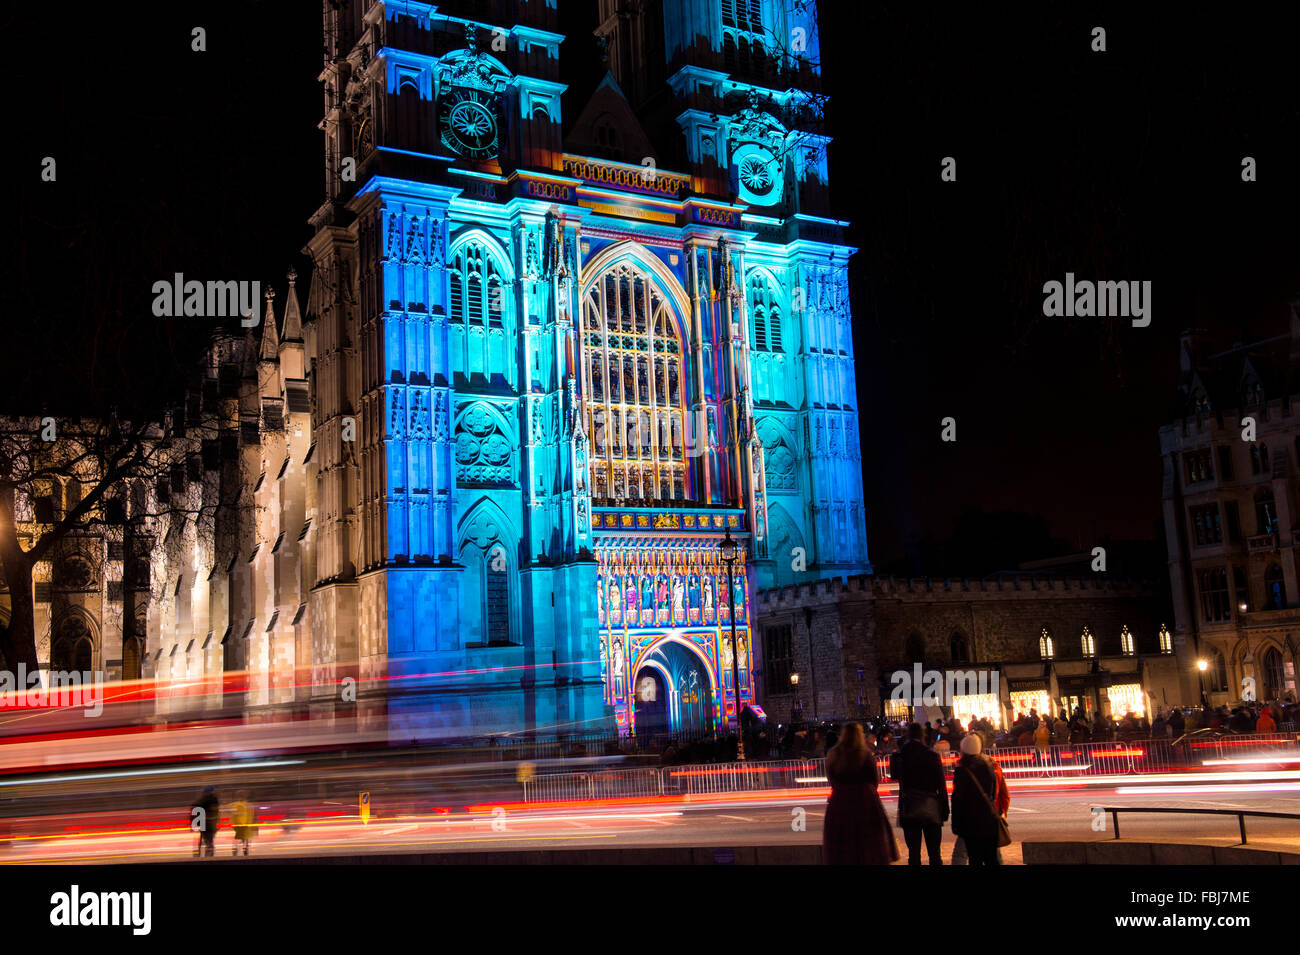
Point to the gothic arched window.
(960, 648)
(915, 648)
(1046, 648)
(73, 650)
(1089, 644)
(485, 553)
(766, 309)
(634, 361)
(478, 309)
(1272, 670)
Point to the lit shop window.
(897, 711)
(1022, 701)
(1126, 698)
(982, 706)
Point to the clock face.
(469, 126)
(757, 174)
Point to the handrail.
(1241, 814)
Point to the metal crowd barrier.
(1074, 759)
(1243, 749)
(614, 783)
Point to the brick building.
(1230, 512)
(1051, 641)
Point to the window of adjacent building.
(1126, 642)
(1239, 585)
(1259, 459)
(1273, 673)
(1166, 640)
(634, 369)
(1046, 647)
(959, 648)
(915, 648)
(1197, 466)
(1205, 525)
(1265, 514)
(1232, 516)
(1275, 588)
(1089, 644)
(1214, 594)
(778, 658)
(1225, 463)
(1216, 675)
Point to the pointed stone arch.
(785, 545)
(74, 640)
(487, 546)
(650, 264)
(471, 233)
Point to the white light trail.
(215, 767)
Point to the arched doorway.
(1271, 671)
(651, 695)
(682, 687)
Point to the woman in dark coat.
(974, 799)
(857, 831)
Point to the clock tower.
(550, 375)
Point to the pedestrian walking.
(204, 819)
(243, 820)
(922, 796)
(975, 817)
(856, 831)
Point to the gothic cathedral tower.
(551, 373)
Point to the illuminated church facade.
(538, 376)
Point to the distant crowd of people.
(814, 740)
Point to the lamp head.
(727, 547)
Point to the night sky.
(1123, 165)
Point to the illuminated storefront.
(984, 706)
(1022, 701)
(1126, 698)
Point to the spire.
(270, 340)
(292, 317)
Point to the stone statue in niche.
(615, 601)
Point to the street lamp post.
(1249, 658)
(728, 549)
(794, 707)
(1203, 665)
